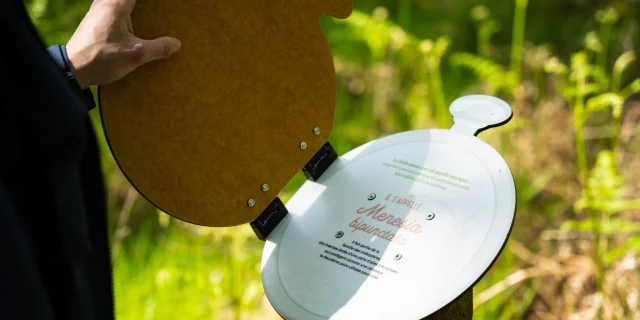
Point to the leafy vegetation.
(568, 69)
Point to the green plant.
(604, 195)
(486, 27)
(607, 18)
(495, 78)
(433, 59)
(517, 43)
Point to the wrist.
(74, 69)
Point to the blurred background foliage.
(568, 68)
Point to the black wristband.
(59, 55)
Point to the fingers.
(149, 50)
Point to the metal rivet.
(316, 131)
(371, 196)
(251, 203)
(303, 145)
(430, 216)
(397, 257)
(339, 234)
(265, 187)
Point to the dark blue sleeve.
(59, 55)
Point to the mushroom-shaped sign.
(212, 134)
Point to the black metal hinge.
(320, 162)
(276, 211)
(269, 219)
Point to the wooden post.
(459, 309)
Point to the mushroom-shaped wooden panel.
(212, 134)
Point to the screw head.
(371, 196)
(397, 257)
(316, 131)
(430, 216)
(303, 145)
(265, 187)
(339, 234)
(251, 203)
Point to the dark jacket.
(54, 252)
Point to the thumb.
(156, 49)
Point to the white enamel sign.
(397, 228)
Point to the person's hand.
(103, 49)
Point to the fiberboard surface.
(198, 134)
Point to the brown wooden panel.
(200, 133)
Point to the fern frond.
(487, 70)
